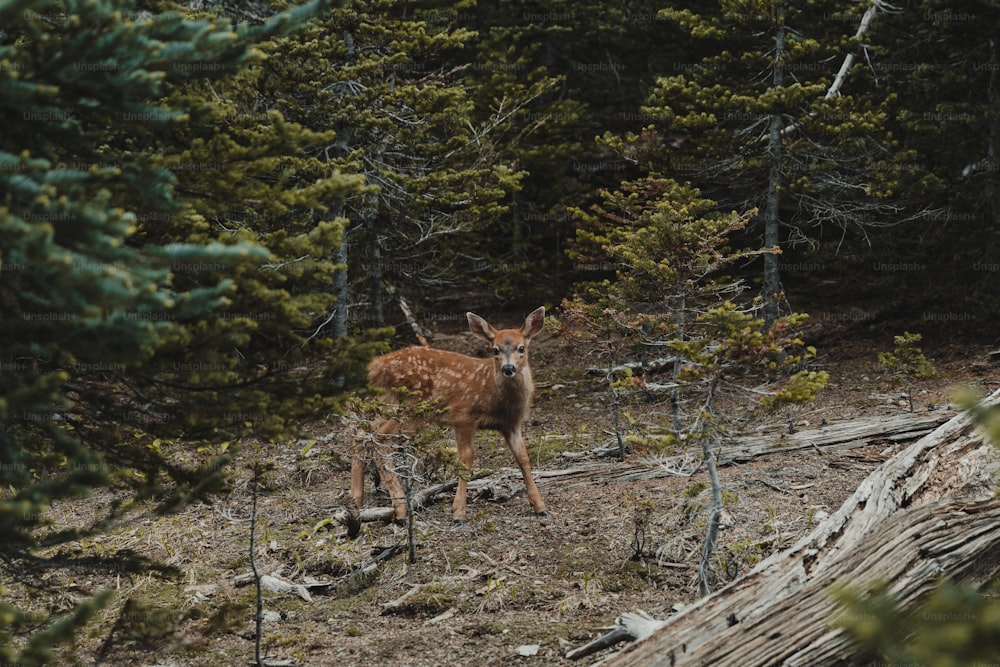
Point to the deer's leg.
(358, 466)
(515, 442)
(394, 487)
(464, 435)
(358, 480)
(389, 479)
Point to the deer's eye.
(520, 349)
(496, 352)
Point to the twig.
(763, 481)
(713, 521)
(616, 409)
(408, 473)
(259, 616)
(417, 331)
(627, 627)
(716, 512)
(395, 605)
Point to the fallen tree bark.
(928, 511)
(838, 436)
(420, 500)
(651, 366)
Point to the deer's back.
(466, 385)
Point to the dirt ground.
(507, 586)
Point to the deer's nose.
(509, 370)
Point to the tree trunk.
(377, 292)
(772, 279)
(928, 511)
(338, 327)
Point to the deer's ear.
(533, 323)
(481, 327)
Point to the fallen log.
(839, 436)
(420, 499)
(636, 367)
(836, 436)
(927, 511)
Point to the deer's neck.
(512, 397)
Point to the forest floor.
(507, 586)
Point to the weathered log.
(832, 437)
(848, 434)
(928, 511)
(652, 365)
(628, 627)
(836, 436)
(385, 514)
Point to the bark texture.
(927, 512)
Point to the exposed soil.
(505, 584)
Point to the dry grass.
(477, 592)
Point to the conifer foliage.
(772, 125)
(105, 304)
(384, 80)
(669, 248)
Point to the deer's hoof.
(459, 522)
(542, 513)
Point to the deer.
(492, 394)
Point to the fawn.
(493, 394)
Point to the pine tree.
(942, 65)
(956, 625)
(663, 246)
(247, 175)
(97, 244)
(907, 362)
(768, 124)
(381, 83)
(668, 248)
(587, 67)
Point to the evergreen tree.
(907, 362)
(956, 625)
(111, 278)
(381, 82)
(588, 66)
(662, 246)
(769, 123)
(668, 246)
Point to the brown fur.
(477, 394)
